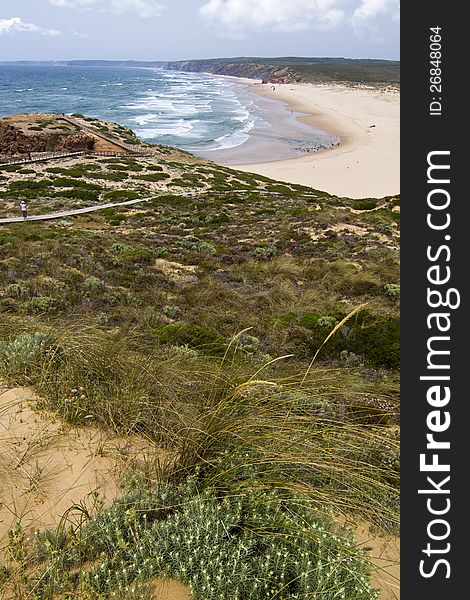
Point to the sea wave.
(187, 110)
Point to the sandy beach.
(366, 161)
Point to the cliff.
(14, 140)
(299, 69)
(267, 73)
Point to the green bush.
(110, 176)
(19, 357)
(375, 337)
(64, 182)
(264, 252)
(93, 285)
(41, 305)
(79, 193)
(195, 336)
(116, 219)
(120, 195)
(18, 290)
(154, 176)
(127, 167)
(140, 256)
(77, 171)
(365, 204)
(392, 290)
(259, 545)
(28, 184)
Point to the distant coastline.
(374, 72)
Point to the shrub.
(258, 545)
(141, 256)
(79, 193)
(18, 290)
(374, 337)
(172, 311)
(113, 217)
(19, 357)
(365, 204)
(93, 285)
(154, 176)
(248, 343)
(264, 252)
(42, 184)
(195, 336)
(207, 248)
(41, 305)
(64, 182)
(77, 171)
(127, 167)
(119, 247)
(392, 290)
(110, 176)
(121, 195)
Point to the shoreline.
(278, 132)
(366, 161)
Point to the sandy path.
(366, 163)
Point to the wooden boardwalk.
(75, 211)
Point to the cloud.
(17, 25)
(237, 16)
(370, 9)
(365, 19)
(274, 15)
(143, 8)
(80, 34)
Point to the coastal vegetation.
(248, 331)
(300, 69)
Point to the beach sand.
(365, 163)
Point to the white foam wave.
(195, 112)
(174, 128)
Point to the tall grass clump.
(203, 407)
(260, 465)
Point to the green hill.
(248, 327)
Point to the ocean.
(203, 114)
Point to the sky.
(185, 29)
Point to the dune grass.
(273, 454)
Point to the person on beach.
(24, 209)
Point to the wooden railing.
(15, 160)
